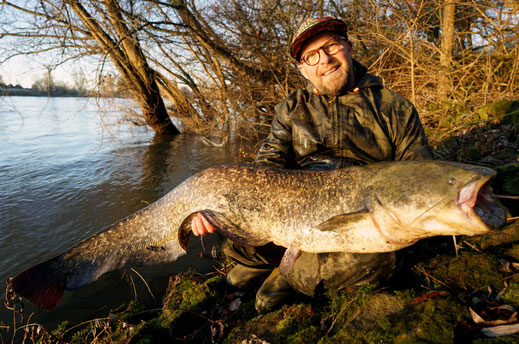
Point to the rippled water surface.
(66, 172)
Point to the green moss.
(500, 238)
(295, 318)
(513, 253)
(378, 307)
(128, 311)
(429, 322)
(60, 329)
(511, 295)
(307, 335)
(188, 304)
(508, 178)
(337, 298)
(291, 324)
(263, 327)
(147, 332)
(188, 295)
(116, 328)
(468, 271)
(357, 337)
(514, 339)
(473, 153)
(506, 111)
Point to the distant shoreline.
(18, 91)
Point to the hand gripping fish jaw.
(230, 230)
(223, 225)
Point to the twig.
(146, 284)
(202, 242)
(472, 246)
(430, 276)
(133, 286)
(84, 323)
(343, 308)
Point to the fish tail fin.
(41, 285)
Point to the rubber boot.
(273, 292)
(240, 276)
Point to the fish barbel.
(379, 207)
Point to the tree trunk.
(447, 45)
(128, 58)
(154, 111)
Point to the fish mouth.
(476, 202)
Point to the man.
(345, 117)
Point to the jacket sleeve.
(276, 150)
(411, 143)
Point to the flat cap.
(313, 26)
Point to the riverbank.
(442, 292)
(27, 92)
(438, 295)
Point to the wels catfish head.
(428, 198)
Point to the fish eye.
(452, 180)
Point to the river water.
(67, 170)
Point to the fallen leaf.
(502, 330)
(512, 319)
(427, 296)
(505, 307)
(234, 305)
(475, 317)
(505, 266)
(254, 340)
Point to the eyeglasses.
(331, 47)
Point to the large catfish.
(374, 208)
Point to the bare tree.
(452, 52)
(77, 29)
(222, 65)
(233, 57)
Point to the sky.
(25, 71)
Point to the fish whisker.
(504, 196)
(446, 199)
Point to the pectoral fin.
(223, 225)
(345, 222)
(288, 260)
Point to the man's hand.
(200, 226)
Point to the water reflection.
(66, 174)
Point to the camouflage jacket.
(368, 125)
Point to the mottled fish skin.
(375, 208)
